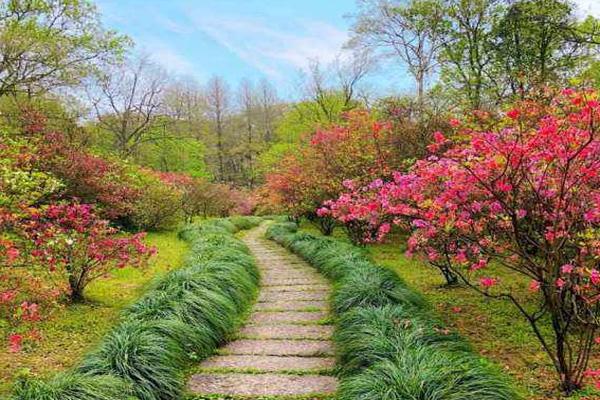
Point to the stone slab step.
(282, 281)
(295, 288)
(320, 332)
(270, 363)
(301, 348)
(296, 305)
(287, 269)
(268, 295)
(290, 317)
(291, 275)
(262, 385)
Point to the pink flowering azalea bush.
(520, 196)
(70, 240)
(361, 212)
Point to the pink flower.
(454, 122)
(456, 310)
(504, 186)
(566, 269)
(12, 254)
(323, 211)
(438, 137)
(478, 265)
(419, 223)
(432, 255)
(384, 229)
(496, 207)
(560, 283)
(595, 277)
(488, 282)
(534, 286)
(461, 257)
(348, 184)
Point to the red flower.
(15, 343)
(513, 114)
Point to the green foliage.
(20, 184)
(63, 41)
(158, 206)
(366, 286)
(390, 345)
(152, 363)
(269, 159)
(175, 155)
(419, 373)
(73, 386)
(182, 318)
(242, 223)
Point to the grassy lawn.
(72, 331)
(495, 328)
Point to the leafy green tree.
(46, 44)
(172, 153)
(541, 41)
(411, 31)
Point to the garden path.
(285, 349)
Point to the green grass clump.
(245, 222)
(369, 286)
(372, 334)
(389, 344)
(72, 386)
(417, 372)
(182, 318)
(140, 355)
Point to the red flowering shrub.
(91, 179)
(523, 195)
(359, 149)
(71, 241)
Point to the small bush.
(158, 206)
(372, 334)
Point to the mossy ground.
(75, 329)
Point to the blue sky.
(248, 38)
(239, 38)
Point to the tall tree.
(268, 101)
(247, 104)
(410, 30)
(218, 97)
(540, 42)
(467, 53)
(47, 44)
(127, 100)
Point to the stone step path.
(285, 350)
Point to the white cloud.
(179, 28)
(588, 7)
(165, 55)
(270, 47)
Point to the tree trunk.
(76, 288)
